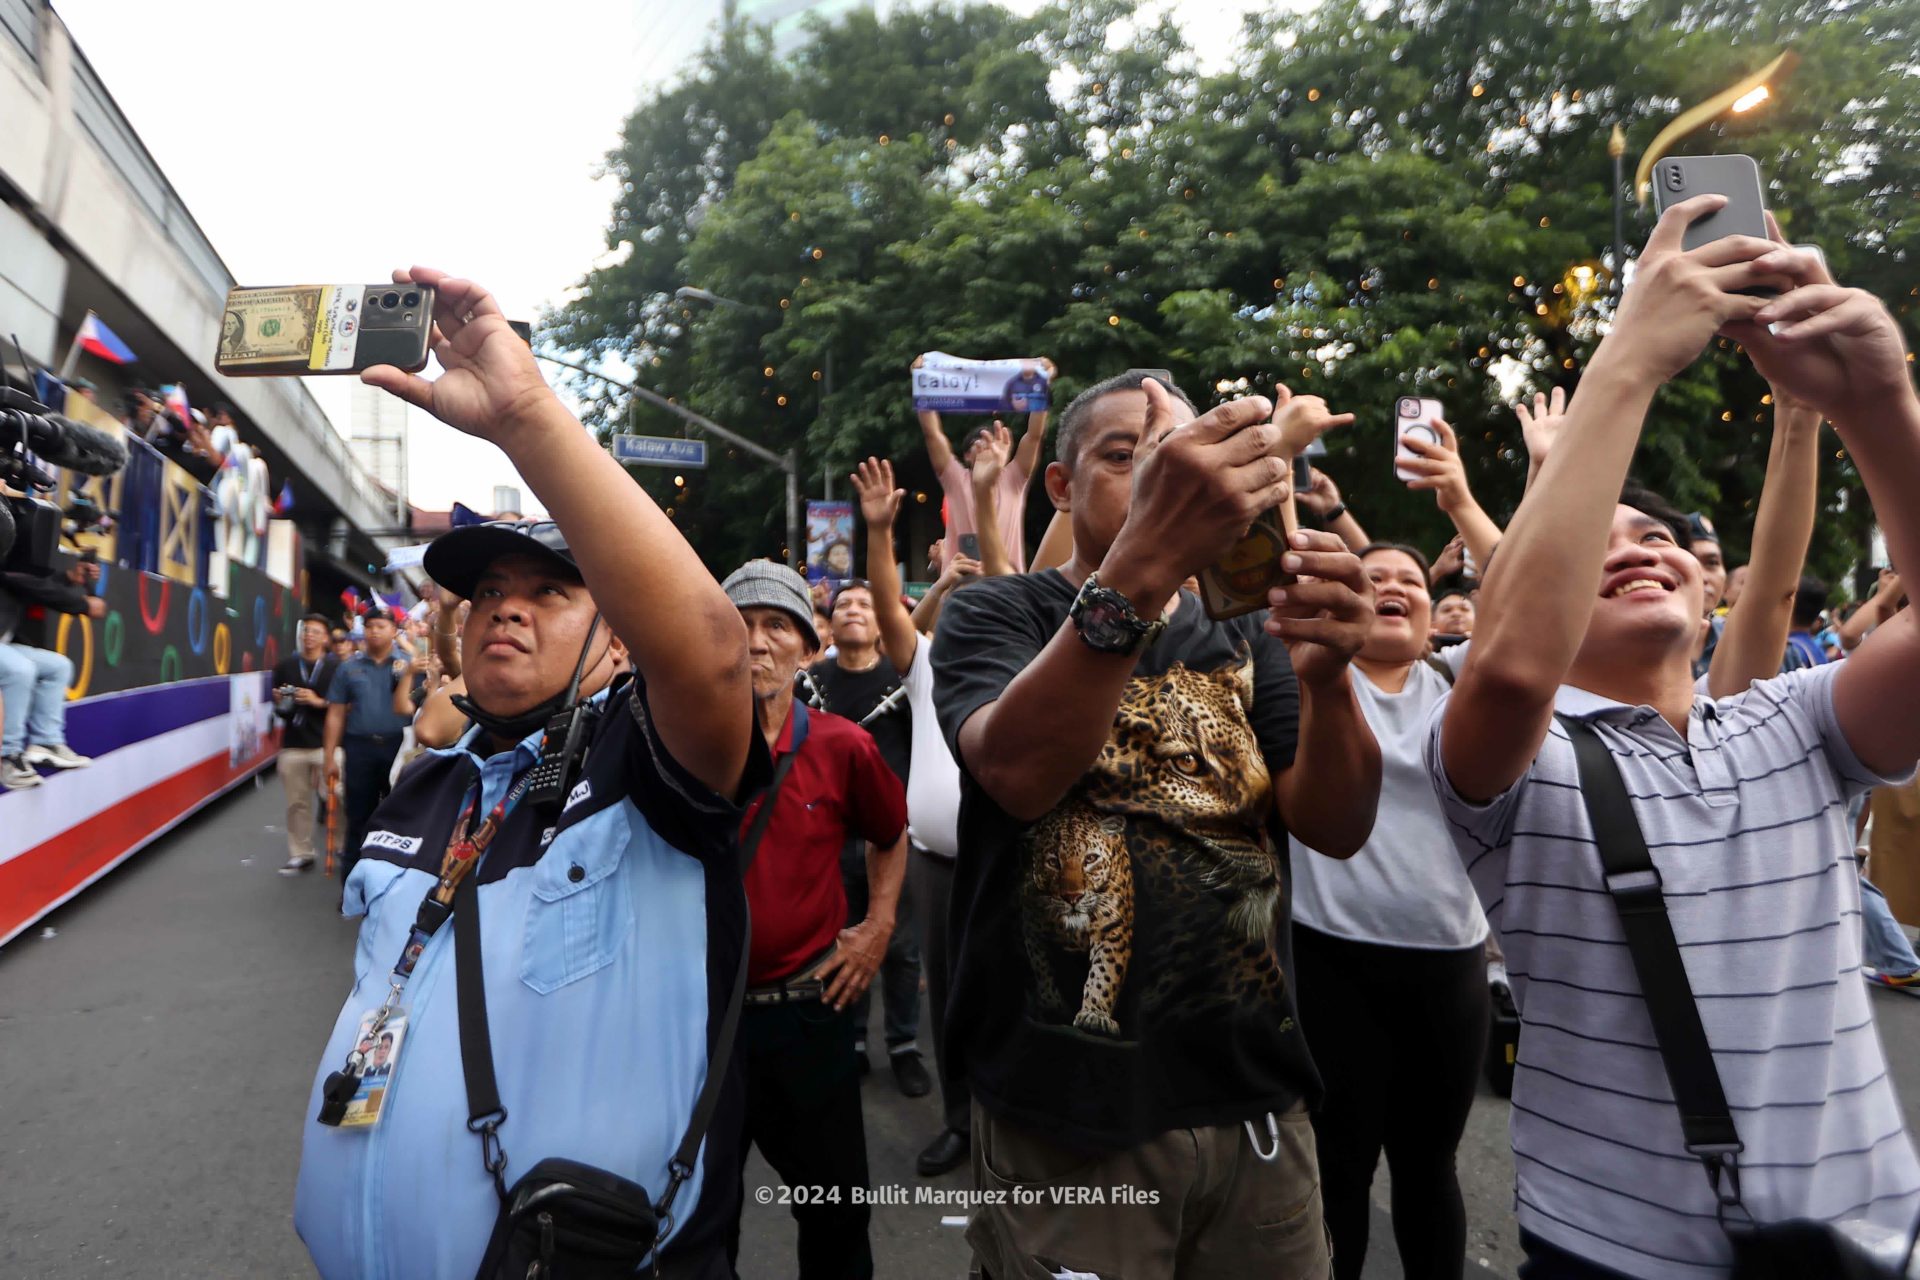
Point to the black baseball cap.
(457, 558)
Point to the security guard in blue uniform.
(554, 921)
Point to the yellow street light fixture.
(1733, 100)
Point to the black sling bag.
(1762, 1251)
(565, 1220)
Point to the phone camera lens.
(390, 301)
(412, 299)
(1408, 409)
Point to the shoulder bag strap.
(1634, 885)
(484, 1112)
(1440, 665)
(680, 1168)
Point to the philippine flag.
(95, 337)
(284, 503)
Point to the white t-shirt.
(1406, 887)
(933, 779)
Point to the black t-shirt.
(1122, 966)
(854, 694)
(306, 725)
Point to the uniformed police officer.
(610, 918)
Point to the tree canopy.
(1371, 201)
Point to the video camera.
(30, 433)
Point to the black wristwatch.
(1333, 513)
(1107, 621)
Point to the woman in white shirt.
(1388, 964)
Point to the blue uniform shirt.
(366, 687)
(611, 928)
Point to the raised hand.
(996, 448)
(1837, 350)
(1438, 468)
(879, 500)
(1199, 482)
(1302, 419)
(1541, 427)
(1325, 615)
(491, 384)
(1681, 298)
(1451, 560)
(1322, 497)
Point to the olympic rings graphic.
(155, 621)
(246, 661)
(197, 621)
(279, 601)
(169, 665)
(222, 649)
(84, 668)
(259, 619)
(113, 635)
(272, 658)
(100, 586)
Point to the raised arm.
(1056, 545)
(1840, 351)
(686, 638)
(1756, 632)
(1540, 427)
(1027, 456)
(1323, 500)
(1883, 604)
(1538, 595)
(926, 614)
(1439, 469)
(880, 505)
(1198, 485)
(939, 452)
(988, 463)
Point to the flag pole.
(73, 352)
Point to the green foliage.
(1373, 201)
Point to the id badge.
(376, 1054)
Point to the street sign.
(660, 451)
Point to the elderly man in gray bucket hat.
(805, 970)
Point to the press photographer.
(33, 681)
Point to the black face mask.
(511, 728)
(516, 728)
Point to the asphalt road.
(156, 1050)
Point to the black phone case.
(1678, 178)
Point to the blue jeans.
(33, 684)
(1884, 942)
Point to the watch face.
(1105, 624)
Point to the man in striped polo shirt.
(1742, 801)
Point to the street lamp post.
(788, 462)
(1617, 148)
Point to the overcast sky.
(333, 142)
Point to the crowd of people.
(1210, 912)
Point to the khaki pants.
(1189, 1204)
(301, 778)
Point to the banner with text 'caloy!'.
(950, 384)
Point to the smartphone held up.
(1413, 417)
(298, 330)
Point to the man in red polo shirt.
(806, 969)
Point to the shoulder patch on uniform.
(581, 792)
(408, 845)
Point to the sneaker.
(60, 757)
(296, 865)
(911, 1074)
(15, 774)
(1907, 982)
(862, 1063)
